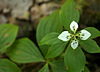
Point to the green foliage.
(95, 33)
(74, 60)
(58, 56)
(55, 50)
(45, 68)
(69, 13)
(90, 46)
(24, 51)
(8, 34)
(58, 66)
(49, 24)
(86, 69)
(50, 39)
(56, 47)
(47, 40)
(47, 37)
(8, 66)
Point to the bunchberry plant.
(60, 44)
(66, 36)
(8, 33)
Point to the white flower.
(66, 36)
(74, 44)
(84, 34)
(74, 26)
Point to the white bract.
(66, 36)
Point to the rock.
(48, 8)
(43, 10)
(3, 19)
(39, 1)
(19, 7)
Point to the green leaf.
(55, 50)
(58, 66)
(90, 46)
(86, 69)
(8, 33)
(69, 13)
(44, 49)
(74, 60)
(94, 32)
(55, 46)
(49, 24)
(49, 39)
(8, 66)
(24, 51)
(45, 69)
